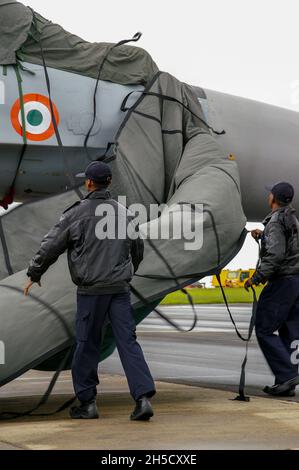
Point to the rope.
(38, 38)
(9, 197)
(242, 396)
(135, 38)
(174, 100)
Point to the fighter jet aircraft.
(65, 102)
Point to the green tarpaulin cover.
(125, 64)
(165, 153)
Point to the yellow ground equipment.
(235, 278)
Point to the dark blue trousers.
(277, 325)
(92, 312)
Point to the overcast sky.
(246, 48)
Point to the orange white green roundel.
(38, 118)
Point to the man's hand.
(256, 233)
(28, 287)
(248, 284)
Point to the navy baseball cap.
(99, 172)
(283, 192)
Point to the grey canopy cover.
(15, 24)
(165, 153)
(125, 64)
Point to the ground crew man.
(101, 267)
(277, 321)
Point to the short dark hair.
(101, 185)
(281, 203)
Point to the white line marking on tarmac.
(184, 377)
(153, 329)
(39, 379)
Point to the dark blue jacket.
(279, 246)
(97, 265)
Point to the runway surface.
(210, 356)
(197, 377)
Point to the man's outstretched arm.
(52, 246)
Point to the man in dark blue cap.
(102, 261)
(277, 321)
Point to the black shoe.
(286, 389)
(86, 410)
(275, 391)
(143, 410)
